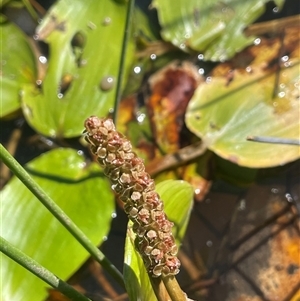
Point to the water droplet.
(275, 104)
(208, 79)
(137, 70)
(153, 56)
(209, 243)
(107, 83)
(114, 215)
(289, 197)
(40, 21)
(200, 57)
(106, 21)
(91, 25)
(39, 82)
(80, 152)
(281, 94)
(182, 46)
(282, 86)
(187, 35)
(104, 238)
(285, 58)
(257, 41)
(201, 71)
(111, 110)
(140, 117)
(248, 69)
(242, 205)
(60, 95)
(82, 63)
(274, 190)
(42, 59)
(197, 191)
(275, 9)
(36, 37)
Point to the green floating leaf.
(178, 199)
(85, 196)
(85, 41)
(224, 114)
(212, 27)
(17, 67)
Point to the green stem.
(56, 211)
(31, 10)
(122, 59)
(41, 272)
(173, 288)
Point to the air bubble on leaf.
(106, 21)
(248, 69)
(42, 59)
(137, 69)
(197, 191)
(153, 56)
(282, 86)
(91, 25)
(82, 62)
(257, 41)
(208, 79)
(200, 57)
(107, 83)
(182, 46)
(289, 197)
(209, 243)
(242, 205)
(140, 117)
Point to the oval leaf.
(17, 66)
(213, 28)
(84, 195)
(178, 199)
(224, 114)
(85, 41)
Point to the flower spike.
(134, 186)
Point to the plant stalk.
(55, 210)
(173, 288)
(123, 59)
(41, 272)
